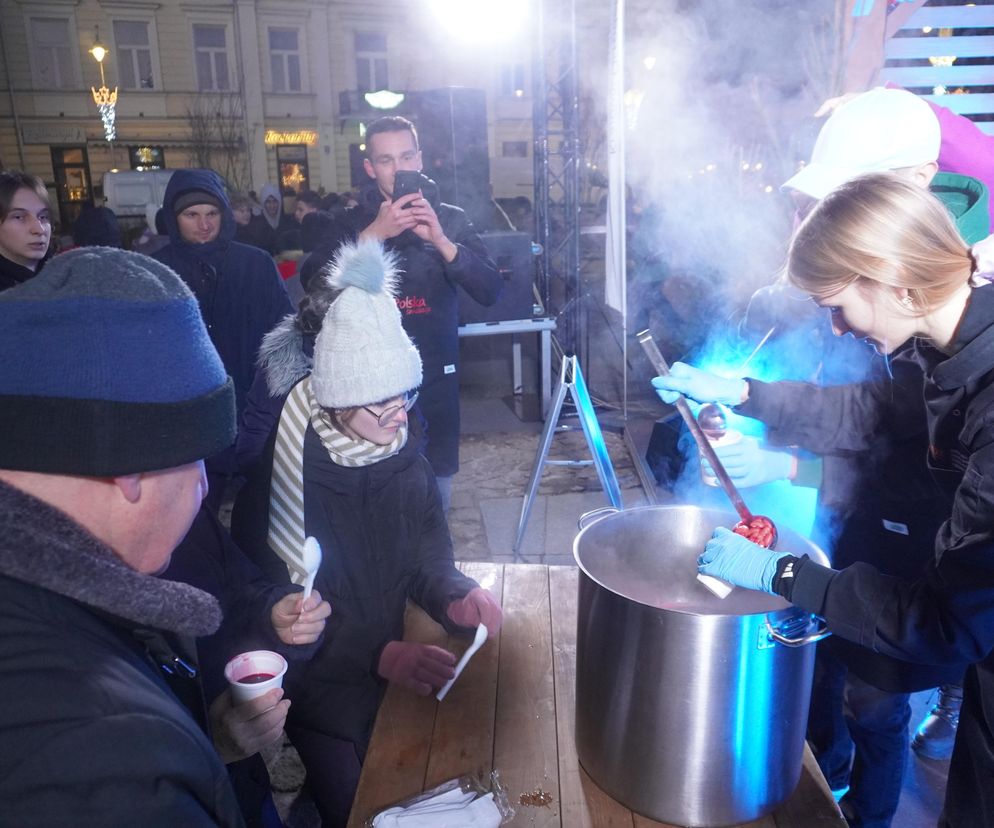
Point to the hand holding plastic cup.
(254, 674)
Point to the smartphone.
(406, 182)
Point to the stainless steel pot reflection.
(690, 709)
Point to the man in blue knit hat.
(111, 395)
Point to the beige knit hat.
(362, 354)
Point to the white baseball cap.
(880, 130)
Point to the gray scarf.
(43, 546)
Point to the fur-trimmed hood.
(41, 545)
(286, 356)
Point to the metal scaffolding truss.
(555, 93)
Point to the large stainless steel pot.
(689, 709)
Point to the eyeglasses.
(383, 418)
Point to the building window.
(514, 149)
(52, 54)
(72, 181)
(134, 54)
(284, 59)
(512, 79)
(371, 62)
(147, 158)
(210, 47)
(291, 161)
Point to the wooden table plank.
(584, 805)
(463, 739)
(525, 742)
(513, 709)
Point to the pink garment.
(965, 149)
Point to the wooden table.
(512, 709)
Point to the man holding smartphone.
(440, 252)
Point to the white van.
(127, 192)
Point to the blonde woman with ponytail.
(885, 257)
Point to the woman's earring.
(906, 302)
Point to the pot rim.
(780, 604)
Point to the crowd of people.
(319, 393)
(136, 391)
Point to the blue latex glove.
(739, 561)
(699, 385)
(751, 462)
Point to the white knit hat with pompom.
(362, 354)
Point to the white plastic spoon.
(481, 636)
(312, 563)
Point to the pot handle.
(798, 641)
(594, 515)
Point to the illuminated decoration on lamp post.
(103, 97)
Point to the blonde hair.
(880, 228)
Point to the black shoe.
(937, 732)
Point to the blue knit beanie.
(107, 370)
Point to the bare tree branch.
(217, 136)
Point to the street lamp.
(103, 97)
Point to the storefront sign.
(301, 136)
(53, 134)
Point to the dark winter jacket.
(385, 540)
(947, 615)
(96, 227)
(208, 559)
(894, 508)
(91, 734)
(429, 307)
(240, 293)
(13, 274)
(257, 233)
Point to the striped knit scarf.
(286, 493)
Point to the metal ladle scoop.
(757, 528)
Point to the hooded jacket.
(13, 274)
(240, 293)
(429, 309)
(91, 732)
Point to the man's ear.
(130, 486)
(367, 165)
(924, 173)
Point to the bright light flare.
(481, 20)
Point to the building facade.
(260, 90)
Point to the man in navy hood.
(238, 288)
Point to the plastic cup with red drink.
(254, 674)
